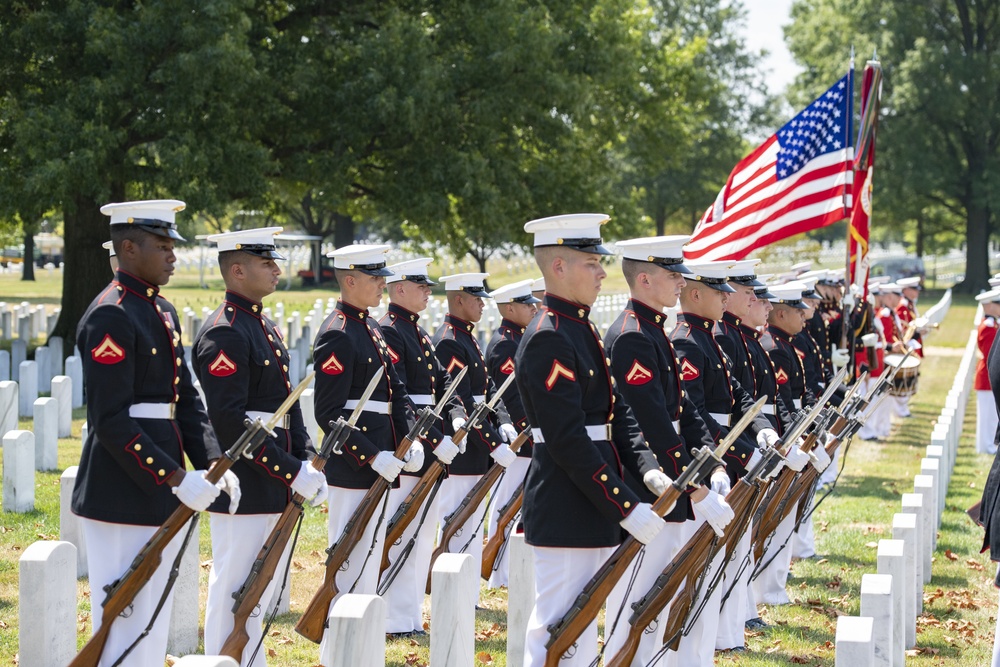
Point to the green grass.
(956, 628)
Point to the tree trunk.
(920, 237)
(85, 262)
(661, 220)
(977, 261)
(343, 231)
(28, 267)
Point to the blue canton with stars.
(823, 127)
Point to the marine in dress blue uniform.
(412, 354)
(349, 350)
(645, 368)
(144, 415)
(576, 498)
(242, 363)
(457, 348)
(517, 306)
(784, 322)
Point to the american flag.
(798, 180)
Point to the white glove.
(796, 459)
(767, 437)
(195, 491)
(458, 423)
(414, 457)
(754, 459)
(387, 465)
(913, 344)
(230, 484)
(503, 455)
(869, 340)
(720, 481)
(643, 523)
(848, 301)
(446, 451)
(309, 483)
(839, 357)
(508, 432)
(819, 459)
(656, 481)
(715, 510)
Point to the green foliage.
(938, 160)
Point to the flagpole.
(845, 315)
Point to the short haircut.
(120, 233)
(632, 268)
(340, 274)
(545, 255)
(230, 257)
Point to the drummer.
(986, 408)
(877, 423)
(898, 340)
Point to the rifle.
(408, 509)
(565, 632)
(454, 521)
(264, 566)
(314, 619)
(123, 590)
(506, 514)
(845, 423)
(769, 514)
(695, 557)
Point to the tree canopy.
(937, 167)
(448, 122)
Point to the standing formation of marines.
(590, 434)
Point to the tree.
(939, 141)
(131, 100)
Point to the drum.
(905, 381)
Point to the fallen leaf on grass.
(949, 555)
(800, 660)
(412, 658)
(922, 650)
(974, 564)
(871, 545)
(823, 561)
(484, 657)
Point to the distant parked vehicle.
(904, 266)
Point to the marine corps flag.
(864, 164)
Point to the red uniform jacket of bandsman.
(984, 340)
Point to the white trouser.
(697, 648)
(829, 475)
(996, 642)
(453, 490)
(769, 586)
(560, 575)
(986, 422)
(236, 541)
(646, 567)
(804, 540)
(900, 405)
(504, 491)
(732, 616)
(360, 572)
(111, 548)
(405, 598)
(877, 419)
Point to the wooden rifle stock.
(313, 621)
(589, 602)
(415, 498)
(266, 564)
(694, 558)
(454, 521)
(123, 591)
(492, 547)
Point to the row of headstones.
(48, 360)
(25, 452)
(26, 320)
(47, 628)
(892, 599)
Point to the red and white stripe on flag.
(798, 180)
